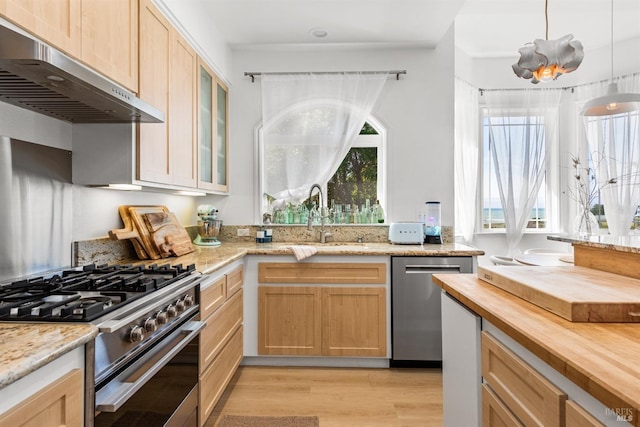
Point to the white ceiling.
(484, 28)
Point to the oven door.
(160, 388)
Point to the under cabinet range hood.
(40, 78)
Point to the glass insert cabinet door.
(213, 131)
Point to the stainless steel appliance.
(40, 78)
(208, 226)
(144, 363)
(416, 326)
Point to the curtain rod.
(396, 72)
(571, 88)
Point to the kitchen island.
(599, 358)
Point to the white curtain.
(310, 121)
(614, 145)
(522, 131)
(466, 149)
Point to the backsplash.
(105, 250)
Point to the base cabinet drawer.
(217, 376)
(494, 412)
(578, 417)
(57, 405)
(533, 399)
(220, 327)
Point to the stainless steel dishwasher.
(416, 326)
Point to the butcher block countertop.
(25, 347)
(601, 358)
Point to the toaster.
(406, 233)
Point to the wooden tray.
(578, 294)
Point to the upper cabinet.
(110, 39)
(101, 33)
(167, 152)
(134, 44)
(213, 131)
(57, 22)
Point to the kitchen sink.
(330, 245)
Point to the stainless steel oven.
(160, 388)
(142, 368)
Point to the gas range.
(146, 316)
(86, 294)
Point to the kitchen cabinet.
(56, 22)
(110, 39)
(58, 404)
(221, 302)
(51, 396)
(103, 34)
(166, 151)
(526, 394)
(213, 131)
(523, 387)
(325, 320)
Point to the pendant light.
(613, 102)
(545, 60)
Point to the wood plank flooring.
(340, 397)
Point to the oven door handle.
(119, 390)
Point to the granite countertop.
(29, 346)
(209, 259)
(601, 358)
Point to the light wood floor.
(340, 397)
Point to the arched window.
(352, 192)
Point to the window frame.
(378, 141)
(552, 179)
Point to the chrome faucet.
(323, 234)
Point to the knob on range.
(150, 324)
(136, 334)
(162, 317)
(188, 300)
(172, 310)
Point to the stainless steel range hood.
(40, 78)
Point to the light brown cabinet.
(290, 320)
(101, 33)
(354, 321)
(323, 320)
(59, 404)
(213, 131)
(529, 396)
(56, 22)
(166, 151)
(221, 342)
(110, 39)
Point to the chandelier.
(545, 60)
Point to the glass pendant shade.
(545, 60)
(612, 103)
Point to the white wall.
(417, 111)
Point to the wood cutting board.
(154, 231)
(131, 231)
(168, 237)
(578, 294)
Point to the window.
(352, 192)
(517, 128)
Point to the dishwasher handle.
(432, 268)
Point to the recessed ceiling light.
(318, 33)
